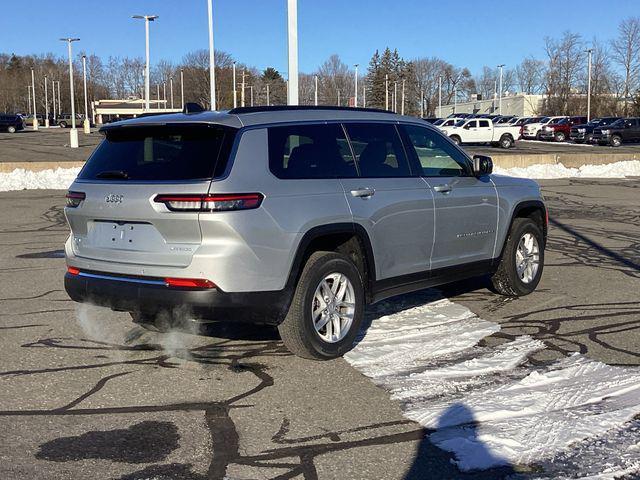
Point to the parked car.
(431, 119)
(64, 120)
(447, 122)
(504, 120)
(11, 123)
(532, 130)
(560, 131)
(302, 217)
(625, 130)
(460, 115)
(482, 130)
(28, 120)
(583, 133)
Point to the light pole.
(292, 29)
(402, 105)
(421, 103)
(53, 97)
(242, 91)
(33, 84)
(268, 100)
(355, 102)
(386, 92)
(364, 95)
(158, 96)
(164, 93)
(59, 102)
(46, 103)
(500, 91)
(395, 96)
(73, 133)
(86, 124)
(171, 89)
(251, 95)
(212, 61)
(338, 97)
(235, 87)
(29, 98)
(590, 52)
(455, 99)
(147, 19)
(182, 87)
(439, 97)
(315, 94)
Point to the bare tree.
(626, 51)
(334, 76)
(566, 63)
(530, 75)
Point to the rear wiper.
(113, 174)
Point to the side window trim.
(353, 153)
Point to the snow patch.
(488, 406)
(630, 168)
(21, 179)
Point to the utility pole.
(46, 104)
(590, 52)
(235, 87)
(212, 61)
(242, 91)
(500, 91)
(182, 87)
(147, 19)
(33, 84)
(386, 92)
(315, 94)
(171, 89)
(73, 133)
(292, 28)
(355, 102)
(86, 124)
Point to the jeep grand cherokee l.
(291, 216)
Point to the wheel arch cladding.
(534, 209)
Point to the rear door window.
(378, 150)
(184, 152)
(484, 123)
(310, 151)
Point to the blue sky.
(464, 32)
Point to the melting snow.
(489, 406)
(21, 179)
(629, 168)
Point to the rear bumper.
(151, 296)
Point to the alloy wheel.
(333, 307)
(527, 258)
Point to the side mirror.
(482, 165)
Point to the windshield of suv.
(562, 121)
(556, 121)
(185, 152)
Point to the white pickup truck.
(482, 130)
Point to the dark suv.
(10, 122)
(583, 133)
(625, 130)
(561, 130)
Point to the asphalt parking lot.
(88, 395)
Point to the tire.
(506, 141)
(506, 279)
(63, 124)
(588, 138)
(455, 139)
(298, 330)
(11, 129)
(539, 136)
(560, 137)
(616, 141)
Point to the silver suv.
(291, 216)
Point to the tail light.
(74, 198)
(210, 203)
(73, 271)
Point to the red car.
(561, 130)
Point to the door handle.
(363, 192)
(446, 188)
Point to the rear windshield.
(184, 152)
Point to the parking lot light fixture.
(46, 103)
(171, 90)
(147, 19)
(212, 61)
(242, 90)
(421, 103)
(29, 98)
(439, 97)
(73, 133)
(386, 92)
(33, 84)
(59, 102)
(268, 99)
(86, 124)
(501, 66)
(402, 99)
(315, 93)
(589, 53)
(292, 43)
(53, 97)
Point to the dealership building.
(112, 110)
(520, 105)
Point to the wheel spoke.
(323, 321)
(337, 326)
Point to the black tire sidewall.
(520, 227)
(318, 272)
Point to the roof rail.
(278, 108)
